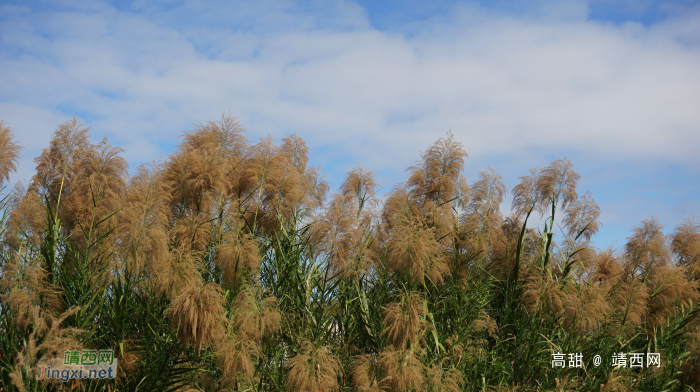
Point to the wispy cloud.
(519, 87)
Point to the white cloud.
(507, 85)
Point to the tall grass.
(228, 267)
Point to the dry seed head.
(237, 256)
(629, 301)
(484, 220)
(403, 370)
(9, 153)
(437, 178)
(27, 290)
(255, 319)
(581, 218)
(647, 248)
(198, 315)
(129, 359)
(143, 221)
(594, 309)
(540, 293)
(295, 150)
(399, 208)
(552, 298)
(224, 136)
(102, 176)
(441, 380)
(342, 236)
(668, 288)
(607, 269)
(583, 260)
(235, 356)
(487, 324)
(415, 253)
(614, 383)
(404, 321)
(97, 189)
(487, 193)
(203, 179)
(525, 194)
(192, 230)
(685, 242)
(60, 160)
(336, 231)
(367, 375)
(54, 339)
(360, 184)
(557, 182)
(284, 189)
(314, 370)
(177, 272)
(27, 218)
(690, 374)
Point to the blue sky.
(612, 85)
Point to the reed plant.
(228, 266)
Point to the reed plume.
(414, 252)
(236, 357)
(485, 323)
(594, 309)
(557, 182)
(420, 293)
(176, 271)
(441, 380)
(343, 232)
(47, 341)
(9, 153)
(581, 218)
(669, 288)
(484, 219)
(647, 248)
(368, 376)
(144, 221)
(437, 178)
(224, 136)
(97, 190)
(399, 208)
(437, 186)
(197, 314)
(286, 190)
(404, 321)
(237, 255)
(254, 318)
(526, 195)
(629, 301)
(26, 290)
(360, 184)
(607, 268)
(314, 369)
(195, 175)
(58, 164)
(26, 218)
(685, 244)
(337, 233)
(403, 369)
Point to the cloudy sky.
(612, 85)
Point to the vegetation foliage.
(224, 268)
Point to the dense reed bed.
(229, 267)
